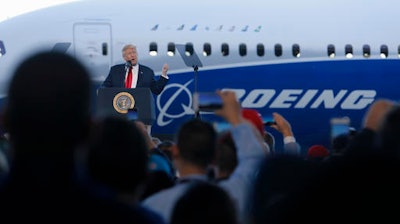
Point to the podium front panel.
(111, 102)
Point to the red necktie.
(128, 81)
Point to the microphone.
(128, 64)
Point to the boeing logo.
(186, 109)
(299, 98)
(271, 98)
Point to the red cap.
(255, 118)
(317, 151)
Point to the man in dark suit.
(141, 76)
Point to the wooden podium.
(137, 103)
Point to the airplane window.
(398, 51)
(278, 50)
(171, 49)
(225, 49)
(296, 50)
(331, 50)
(260, 50)
(242, 50)
(384, 51)
(153, 49)
(348, 51)
(207, 49)
(366, 51)
(2, 49)
(104, 49)
(189, 50)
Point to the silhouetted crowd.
(58, 163)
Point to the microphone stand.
(196, 68)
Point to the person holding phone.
(195, 151)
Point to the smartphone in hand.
(206, 101)
(339, 126)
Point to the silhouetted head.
(48, 102)
(118, 156)
(166, 147)
(280, 176)
(204, 203)
(226, 157)
(340, 143)
(197, 141)
(389, 132)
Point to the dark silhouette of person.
(118, 164)
(360, 186)
(204, 202)
(280, 176)
(48, 119)
(389, 133)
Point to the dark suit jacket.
(116, 78)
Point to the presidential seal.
(123, 101)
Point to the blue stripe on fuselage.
(310, 125)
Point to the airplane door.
(92, 43)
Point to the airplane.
(311, 61)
